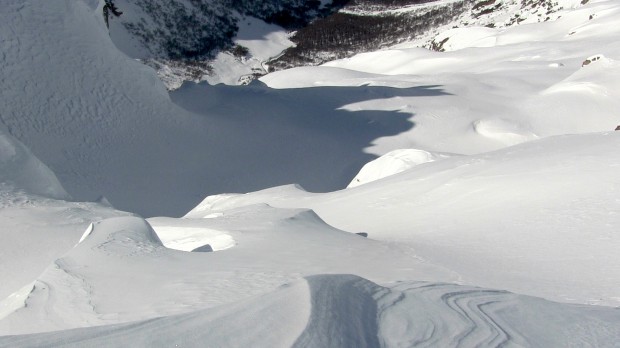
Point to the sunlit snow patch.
(15, 301)
(192, 238)
(505, 131)
(596, 77)
(392, 163)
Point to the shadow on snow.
(300, 135)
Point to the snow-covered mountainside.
(105, 124)
(218, 40)
(235, 42)
(37, 224)
(481, 209)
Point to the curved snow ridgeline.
(20, 169)
(392, 163)
(350, 311)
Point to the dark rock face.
(199, 29)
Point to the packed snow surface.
(491, 209)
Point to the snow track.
(344, 313)
(95, 283)
(350, 311)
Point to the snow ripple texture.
(350, 311)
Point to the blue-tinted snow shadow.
(299, 135)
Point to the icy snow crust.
(495, 224)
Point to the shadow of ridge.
(297, 135)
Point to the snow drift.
(349, 311)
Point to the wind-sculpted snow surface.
(417, 314)
(539, 218)
(36, 225)
(121, 271)
(350, 311)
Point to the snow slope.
(511, 85)
(95, 283)
(539, 218)
(527, 202)
(36, 224)
(349, 311)
(104, 123)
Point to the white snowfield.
(495, 223)
(539, 218)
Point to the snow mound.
(95, 283)
(22, 170)
(581, 102)
(121, 231)
(216, 205)
(592, 79)
(37, 230)
(181, 235)
(392, 163)
(506, 131)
